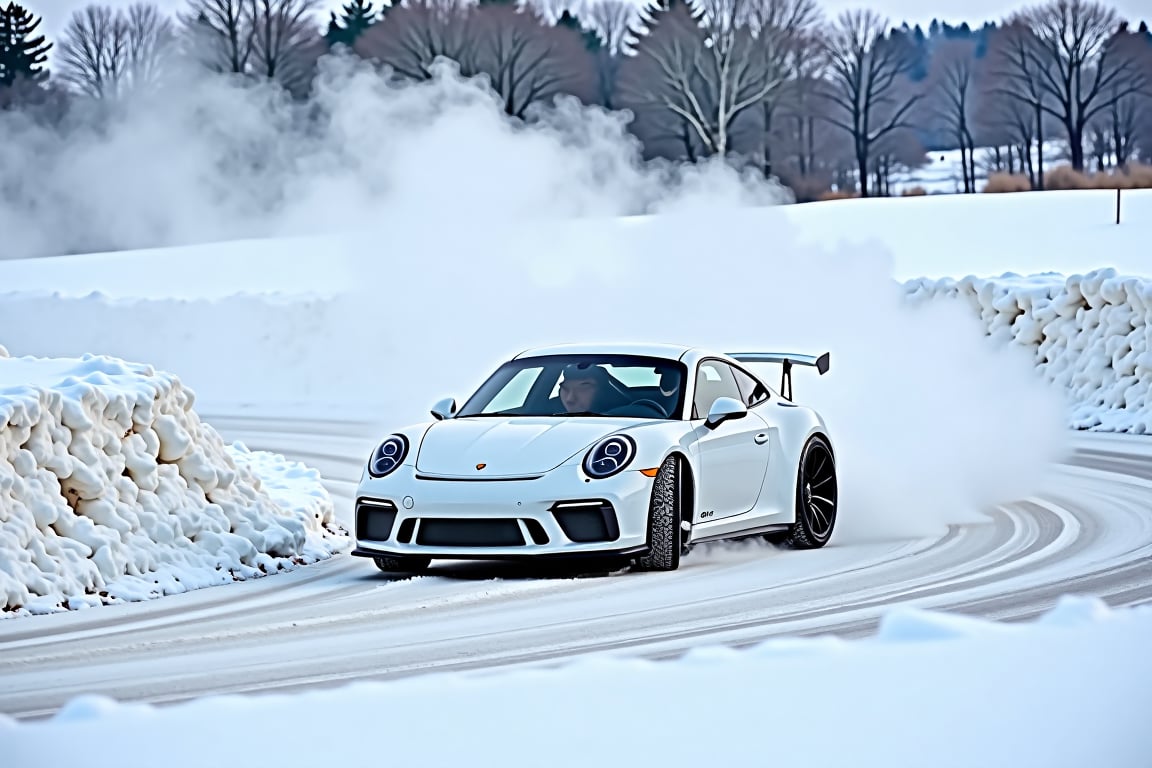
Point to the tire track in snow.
(339, 620)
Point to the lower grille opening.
(585, 521)
(374, 519)
(406, 529)
(536, 531)
(447, 532)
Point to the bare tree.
(1119, 123)
(782, 28)
(1142, 138)
(808, 68)
(704, 67)
(951, 88)
(92, 51)
(867, 83)
(222, 32)
(1012, 80)
(105, 52)
(614, 22)
(1081, 72)
(274, 39)
(286, 36)
(527, 60)
(419, 32)
(897, 151)
(1005, 124)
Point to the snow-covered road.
(1090, 532)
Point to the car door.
(733, 457)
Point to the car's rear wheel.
(665, 535)
(816, 497)
(402, 563)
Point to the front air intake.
(374, 519)
(587, 521)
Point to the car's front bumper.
(560, 514)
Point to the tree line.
(776, 85)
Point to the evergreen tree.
(592, 41)
(650, 14)
(21, 54)
(358, 17)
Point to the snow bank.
(111, 489)
(1089, 334)
(1066, 690)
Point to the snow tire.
(665, 538)
(816, 497)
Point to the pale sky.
(56, 12)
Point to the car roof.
(647, 349)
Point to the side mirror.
(723, 409)
(444, 409)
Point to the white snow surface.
(1066, 690)
(115, 490)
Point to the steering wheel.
(651, 405)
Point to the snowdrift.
(111, 489)
(1089, 334)
(1067, 689)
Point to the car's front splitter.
(558, 515)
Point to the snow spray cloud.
(470, 238)
(933, 422)
(209, 158)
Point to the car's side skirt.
(741, 533)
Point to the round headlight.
(609, 456)
(388, 455)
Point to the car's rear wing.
(787, 359)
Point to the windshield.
(582, 385)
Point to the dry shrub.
(1136, 176)
(1008, 182)
(1140, 174)
(916, 191)
(841, 194)
(808, 188)
(1065, 177)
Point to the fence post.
(1117, 205)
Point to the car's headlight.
(609, 456)
(388, 455)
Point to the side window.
(713, 379)
(751, 390)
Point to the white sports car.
(633, 451)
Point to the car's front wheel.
(816, 497)
(402, 563)
(665, 535)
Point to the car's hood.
(508, 446)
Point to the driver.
(581, 387)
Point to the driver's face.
(578, 394)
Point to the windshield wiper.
(512, 412)
(578, 413)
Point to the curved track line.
(340, 620)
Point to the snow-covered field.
(942, 173)
(146, 450)
(113, 480)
